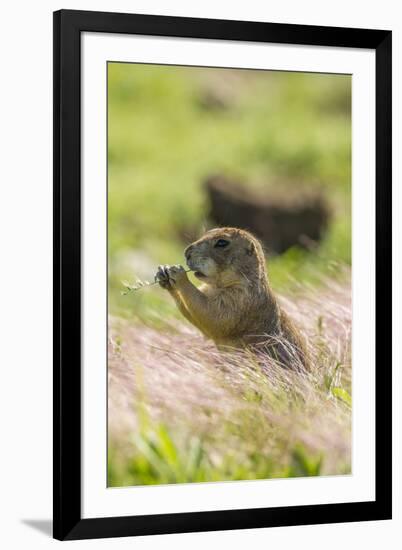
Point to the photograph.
(229, 269)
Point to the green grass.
(158, 460)
(276, 130)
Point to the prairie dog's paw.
(177, 274)
(162, 277)
(170, 277)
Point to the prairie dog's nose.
(188, 251)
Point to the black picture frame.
(68, 26)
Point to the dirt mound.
(279, 220)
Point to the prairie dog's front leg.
(164, 276)
(193, 303)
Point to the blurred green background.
(169, 128)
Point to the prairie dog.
(235, 305)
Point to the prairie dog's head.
(226, 256)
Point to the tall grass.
(181, 411)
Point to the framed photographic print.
(222, 274)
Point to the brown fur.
(235, 305)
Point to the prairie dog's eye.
(220, 243)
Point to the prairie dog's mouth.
(201, 267)
(197, 272)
